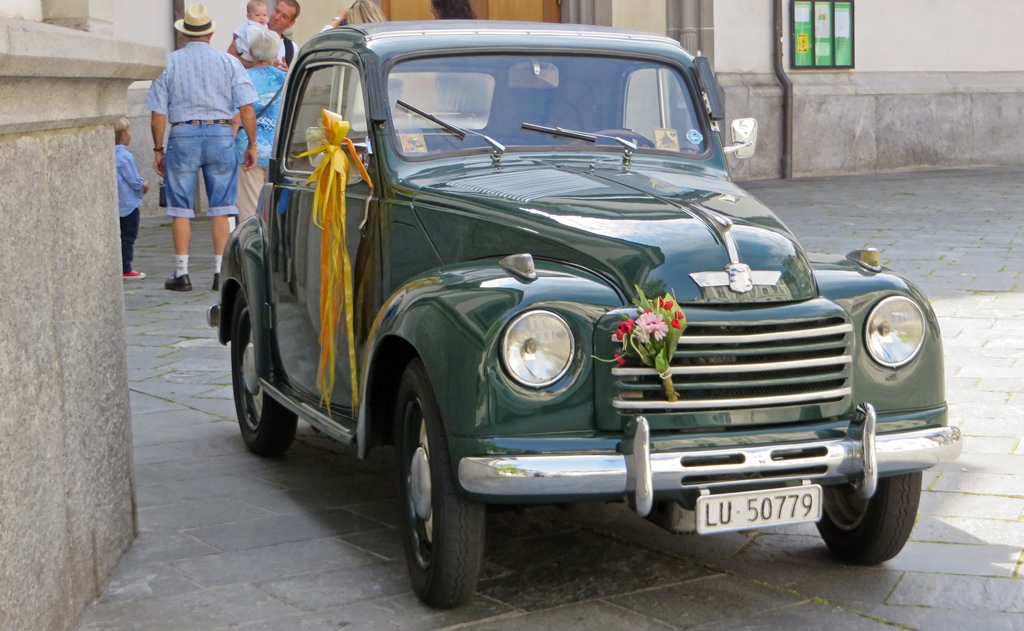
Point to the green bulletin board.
(803, 31)
(842, 28)
(821, 34)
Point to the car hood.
(659, 228)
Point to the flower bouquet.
(652, 336)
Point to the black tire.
(268, 428)
(444, 548)
(872, 531)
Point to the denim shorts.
(212, 148)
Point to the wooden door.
(517, 10)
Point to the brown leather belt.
(219, 121)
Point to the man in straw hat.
(198, 93)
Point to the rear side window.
(337, 88)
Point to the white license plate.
(774, 507)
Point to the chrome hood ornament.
(737, 276)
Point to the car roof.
(389, 37)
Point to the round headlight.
(537, 348)
(895, 331)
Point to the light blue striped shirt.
(200, 83)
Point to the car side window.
(337, 88)
(658, 107)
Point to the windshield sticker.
(413, 143)
(666, 139)
(694, 137)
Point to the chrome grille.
(727, 367)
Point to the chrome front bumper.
(636, 472)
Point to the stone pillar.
(95, 16)
(66, 498)
(691, 23)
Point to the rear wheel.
(443, 531)
(867, 532)
(268, 428)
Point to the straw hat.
(196, 21)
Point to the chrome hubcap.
(420, 491)
(249, 376)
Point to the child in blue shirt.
(130, 189)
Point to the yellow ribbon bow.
(331, 177)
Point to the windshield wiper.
(461, 133)
(628, 147)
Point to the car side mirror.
(744, 138)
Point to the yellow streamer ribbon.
(331, 177)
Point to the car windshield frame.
(415, 145)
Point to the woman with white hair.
(269, 81)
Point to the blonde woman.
(268, 81)
(361, 12)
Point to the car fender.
(452, 319)
(916, 385)
(244, 271)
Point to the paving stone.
(322, 590)
(222, 486)
(963, 593)
(276, 561)
(151, 454)
(385, 543)
(267, 531)
(953, 558)
(194, 611)
(968, 530)
(195, 513)
(139, 582)
(153, 547)
(555, 570)
(396, 613)
(947, 620)
(800, 616)
(705, 600)
(593, 616)
(981, 506)
(981, 483)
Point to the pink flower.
(653, 324)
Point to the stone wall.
(66, 488)
(880, 121)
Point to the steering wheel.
(641, 141)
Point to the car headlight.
(536, 348)
(895, 331)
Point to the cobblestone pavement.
(228, 540)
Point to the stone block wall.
(867, 122)
(66, 487)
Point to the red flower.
(620, 334)
(680, 316)
(668, 305)
(620, 359)
(675, 323)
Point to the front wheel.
(868, 532)
(268, 428)
(442, 529)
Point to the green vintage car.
(524, 183)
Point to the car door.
(295, 238)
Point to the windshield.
(643, 102)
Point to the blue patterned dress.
(267, 80)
